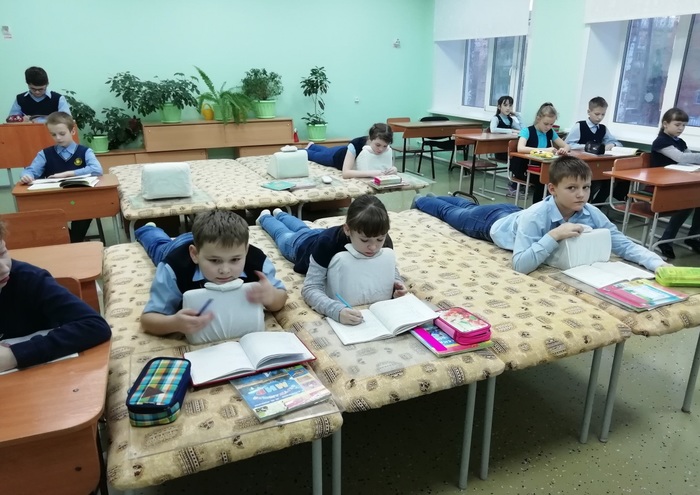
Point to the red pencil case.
(464, 327)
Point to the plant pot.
(219, 115)
(170, 114)
(99, 144)
(317, 132)
(264, 109)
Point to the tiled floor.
(412, 447)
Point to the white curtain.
(625, 10)
(471, 19)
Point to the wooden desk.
(48, 430)
(431, 129)
(483, 143)
(79, 203)
(599, 164)
(82, 260)
(673, 189)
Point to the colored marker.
(205, 306)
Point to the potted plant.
(169, 96)
(315, 85)
(227, 103)
(262, 87)
(115, 130)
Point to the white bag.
(360, 279)
(288, 164)
(166, 180)
(588, 248)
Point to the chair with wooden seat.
(36, 228)
(441, 143)
(404, 147)
(512, 148)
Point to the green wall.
(352, 40)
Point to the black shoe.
(694, 244)
(667, 251)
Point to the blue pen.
(340, 298)
(205, 306)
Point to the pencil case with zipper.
(156, 396)
(463, 326)
(678, 276)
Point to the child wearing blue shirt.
(533, 234)
(38, 102)
(65, 159)
(216, 251)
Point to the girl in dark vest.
(505, 122)
(667, 149)
(539, 136)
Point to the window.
(689, 90)
(492, 68)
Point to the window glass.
(688, 97)
(504, 58)
(475, 68)
(645, 70)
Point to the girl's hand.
(399, 290)
(349, 316)
(188, 322)
(551, 150)
(562, 151)
(391, 171)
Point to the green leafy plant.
(233, 104)
(315, 85)
(146, 97)
(119, 127)
(258, 84)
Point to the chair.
(404, 149)
(512, 148)
(442, 143)
(36, 228)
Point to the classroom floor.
(412, 447)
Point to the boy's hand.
(7, 358)
(262, 291)
(661, 266)
(566, 230)
(349, 316)
(26, 179)
(188, 322)
(61, 175)
(609, 146)
(399, 290)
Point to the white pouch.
(591, 246)
(288, 164)
(360, 279)
(166, 180)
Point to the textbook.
(605, 273)
(683, 168)
(621, 151)
(441, 344)
(640, 295)
(272, 393)
(254, 352)
(291, 184)
(77, 181)
(385, 319)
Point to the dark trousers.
(78, 230)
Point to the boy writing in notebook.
(533, 234)
(30, 301)
(216, 251)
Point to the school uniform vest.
(42, 107)
(55, 164)
(502, 124)
(661, 142)
(339, 156)
(518, 166)
(184, 268)
(588, 136)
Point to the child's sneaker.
(276, 212)
(262, 214)
(511, 192)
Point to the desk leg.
(317, 466)
(403, 157)
(467, 436)
(117, 228)
(299, 208)
(612, 391)
(131, 230)
(692, 379)
(590, 395)
(473, 171)
(488, 423)
(336, 475)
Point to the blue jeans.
(467, 217)
(330, 157)
(288, 232)
(676, 222)
(157, 243)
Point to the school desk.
(80, 260)
(48, 425)
(79, 203)
(430, 129)
(483, 143)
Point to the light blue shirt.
(62, 105)
(512, 120)
(166, 297)
(541, 137)
(526, 233)
(92, 166)
(575, 135)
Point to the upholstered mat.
(660, 321)
(214, 427)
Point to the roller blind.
(471, 19)
(625, 10)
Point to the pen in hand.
(205, 306)
(347, 305)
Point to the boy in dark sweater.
(216, 251)
(38, 102)
(30, 301)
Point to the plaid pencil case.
(156, 396)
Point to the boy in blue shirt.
(30, 301)
(65, 159)
(591, 130)
(533, 234)
(216, 251)
(38, 102)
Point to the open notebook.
(605, 273)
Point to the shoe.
(667, 251)
(262, 214)
(413, 203)
(150, 224)
(694, 244)
(511, 192)
(277, 211)
(430, 195)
